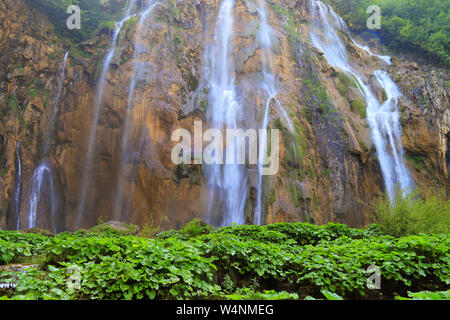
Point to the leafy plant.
(413, 213)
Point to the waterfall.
(61, 78)
(269, 85)
(43, 171)
(227, 182)
(140, 49)
(18, 191)
(265, 37)
(383, 118)
(42, 177)
(387, 132)
(87, 168)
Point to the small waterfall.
(386, 59)
(140, 49)
(61, 78)
(227, 182)
(42, 181)
(18, 191)
(87, 169)
(383, 118)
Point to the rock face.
(329, 169)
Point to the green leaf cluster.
(287, 261)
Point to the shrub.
(413, 213)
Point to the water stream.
(87, 168)
(18, 191)
(43, 171)
(227, 182)
(121, 211)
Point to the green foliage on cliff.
(421, 26)
(94, 14)
(281, 261)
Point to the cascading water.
(269, 85)
(87, 169)
(383, 118)
(42, 176)
(61, 78)
(227, 182)
(140, 49)
(387, 132)
(18, 191)
(265, 37)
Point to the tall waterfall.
(18, 191)
(42, 176)
(227, 182)
(265, 38)
(87, 169)
(121, 211)
(383, 118)
(61, 78)
(265, 35)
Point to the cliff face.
(331, 174)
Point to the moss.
(270, 200)
(346, 80)
(295, 144)
(342, 89)
(416, 161)
(76, 53)
(384, 95)
(362, 144)
(296, 195)
(13, 103)
(359, 107)
(318, 96)
(37, 89)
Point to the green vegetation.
(416, 161)
(427, 295)
(280, 261)
(93, 15)
(414, 213)
(420, 26)
(359, 107)
(13, 103)
(318, 96)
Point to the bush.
(413, 213)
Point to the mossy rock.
(116, 227)
(196, 228)
(359, 107)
